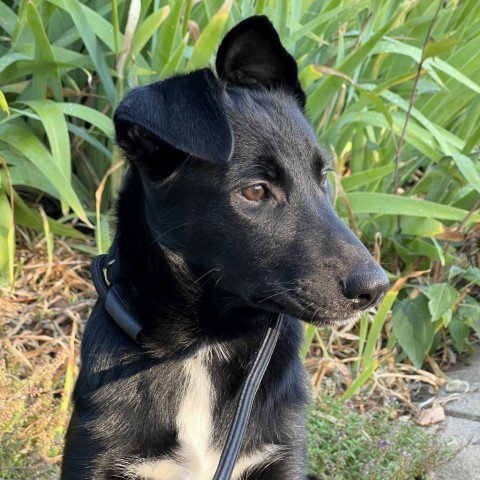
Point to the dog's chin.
(314, 315)
(345, 322)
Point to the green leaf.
(147, 28)
(390, 45)
(8, 19)
(415, 135)
(377, 325)
(385, 203)
(473, 275)
(413, 328)
(7, 237)
(437, 48)
(32, 219)
(280, 19)
(468, 170)
(360, 179)
(377, 102)
(459, 333)
(101, 27)
(455, 271)
(43, 50)
(473, 140)
(175, 59)
(32, 148)
(359, 381)
(442, 298)
(77, 14)
(210, 38)
(167, 36)
(24, 68)
(446, 318)
(53, 120)
(310, 330)
(22, 173)
(320, 21)
(469, 313)
(436, 132)
(321, 95)
(90, 115)
(91, 139)
(259, 7)
(11, 58)
(422, 227)
(3, 103)
(102, 234)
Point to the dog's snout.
(364, 287)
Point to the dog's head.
(235, 183)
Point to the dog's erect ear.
(251, 54)
(160, 125)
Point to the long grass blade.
(385, 203)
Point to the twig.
(412, 101)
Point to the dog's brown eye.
(254, 193)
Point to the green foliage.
(343, 444)
(64, 65)
(413, 328)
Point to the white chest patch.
(195, 458)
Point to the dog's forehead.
(270, 124)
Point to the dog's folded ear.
(252, 54)
(160, 125)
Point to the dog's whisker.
(156, 239)
(279, 284)
(315, 313)
(275, 295)
(304, 308)
(210, 277)
(212, 270)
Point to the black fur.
(204, 266)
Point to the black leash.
(245, 402)
(125, 317)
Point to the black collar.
(115, 303)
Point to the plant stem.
(186, 18)
(410, 106)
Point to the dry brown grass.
(331, 365)
(43, 317)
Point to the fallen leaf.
(430, 416)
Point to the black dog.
(224, 217)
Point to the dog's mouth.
(318, 312)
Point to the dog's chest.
(196, 458)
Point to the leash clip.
(122, 313)
(105, 272)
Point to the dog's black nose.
(365, 286)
